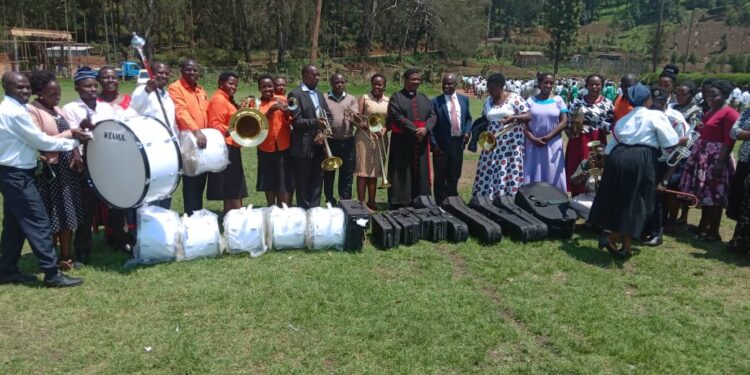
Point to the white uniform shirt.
(680, 126)
(21, 140)
(148, 105)
(645, 127)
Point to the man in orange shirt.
(622, 104)
(191, 105)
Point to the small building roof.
(530, 53)
(39, 33)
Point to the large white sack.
(325, 228)
(200, 235)
(214, 158)
(159, 235)
(244, 231)
(285, 227)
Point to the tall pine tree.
(561, 20)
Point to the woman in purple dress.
(543, 158)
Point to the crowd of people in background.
(625, 131)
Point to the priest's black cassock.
(409, 167)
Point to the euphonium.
(331, 162)
(248, 126)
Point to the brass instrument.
(292, 104)
(487, 141)
(248, 126)
(595, 170)
(682, 152)
(375, 124)
(331, 162)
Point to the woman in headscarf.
(58, 181)
(500, 171)
(625, 198)
(710, 166)
(593, 114)
(228, 185)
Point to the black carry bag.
(384, 234)
(487, 231)
(357, 220)
(536, 229)
(411, 228)
(549, 205)
(456, 230)
(434, 223)
(424, 201)
(517, 227)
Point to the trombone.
(330, 163)
(375, 124)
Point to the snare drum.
(133, 161)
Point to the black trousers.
(192, 192)
(118, 218)
(308, 180)
(82, 241)
(345, 150)
(447, 169)
(24, 218)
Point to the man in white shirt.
(24, 214)
(153, 100)
(157, 105)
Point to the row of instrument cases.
(407, 226)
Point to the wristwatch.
(665, 183)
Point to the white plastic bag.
(244, 231)
(285, 227)
(214, 158)
(159, 235)
(325, 228)
(200, 236)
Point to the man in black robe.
(410, 121)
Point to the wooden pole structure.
(316, 33)
(687, 45)
(657, 46)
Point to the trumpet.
(330, 163)
(488, 141)
(248, 126)
(375, 124)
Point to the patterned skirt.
(366, 146)
(698, 180)
(500, 171)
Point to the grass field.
(546, 307)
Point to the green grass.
(547, 307)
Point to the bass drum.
(133, 161)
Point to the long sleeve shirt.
(643, 126)
(220, 110)
(191, 105)
(21, 140)
(147, 104)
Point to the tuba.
(248, 126)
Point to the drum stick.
(137, 43)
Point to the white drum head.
(117, 164)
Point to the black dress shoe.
(61, 280)
(17, 278)
(654, 241)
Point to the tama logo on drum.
(120, 137)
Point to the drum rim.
(147, 167)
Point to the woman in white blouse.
(625, 198)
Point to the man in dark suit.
(306, 149)
(451, 131)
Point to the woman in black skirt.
(229, 184)
(274, 170)
(625, 198)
